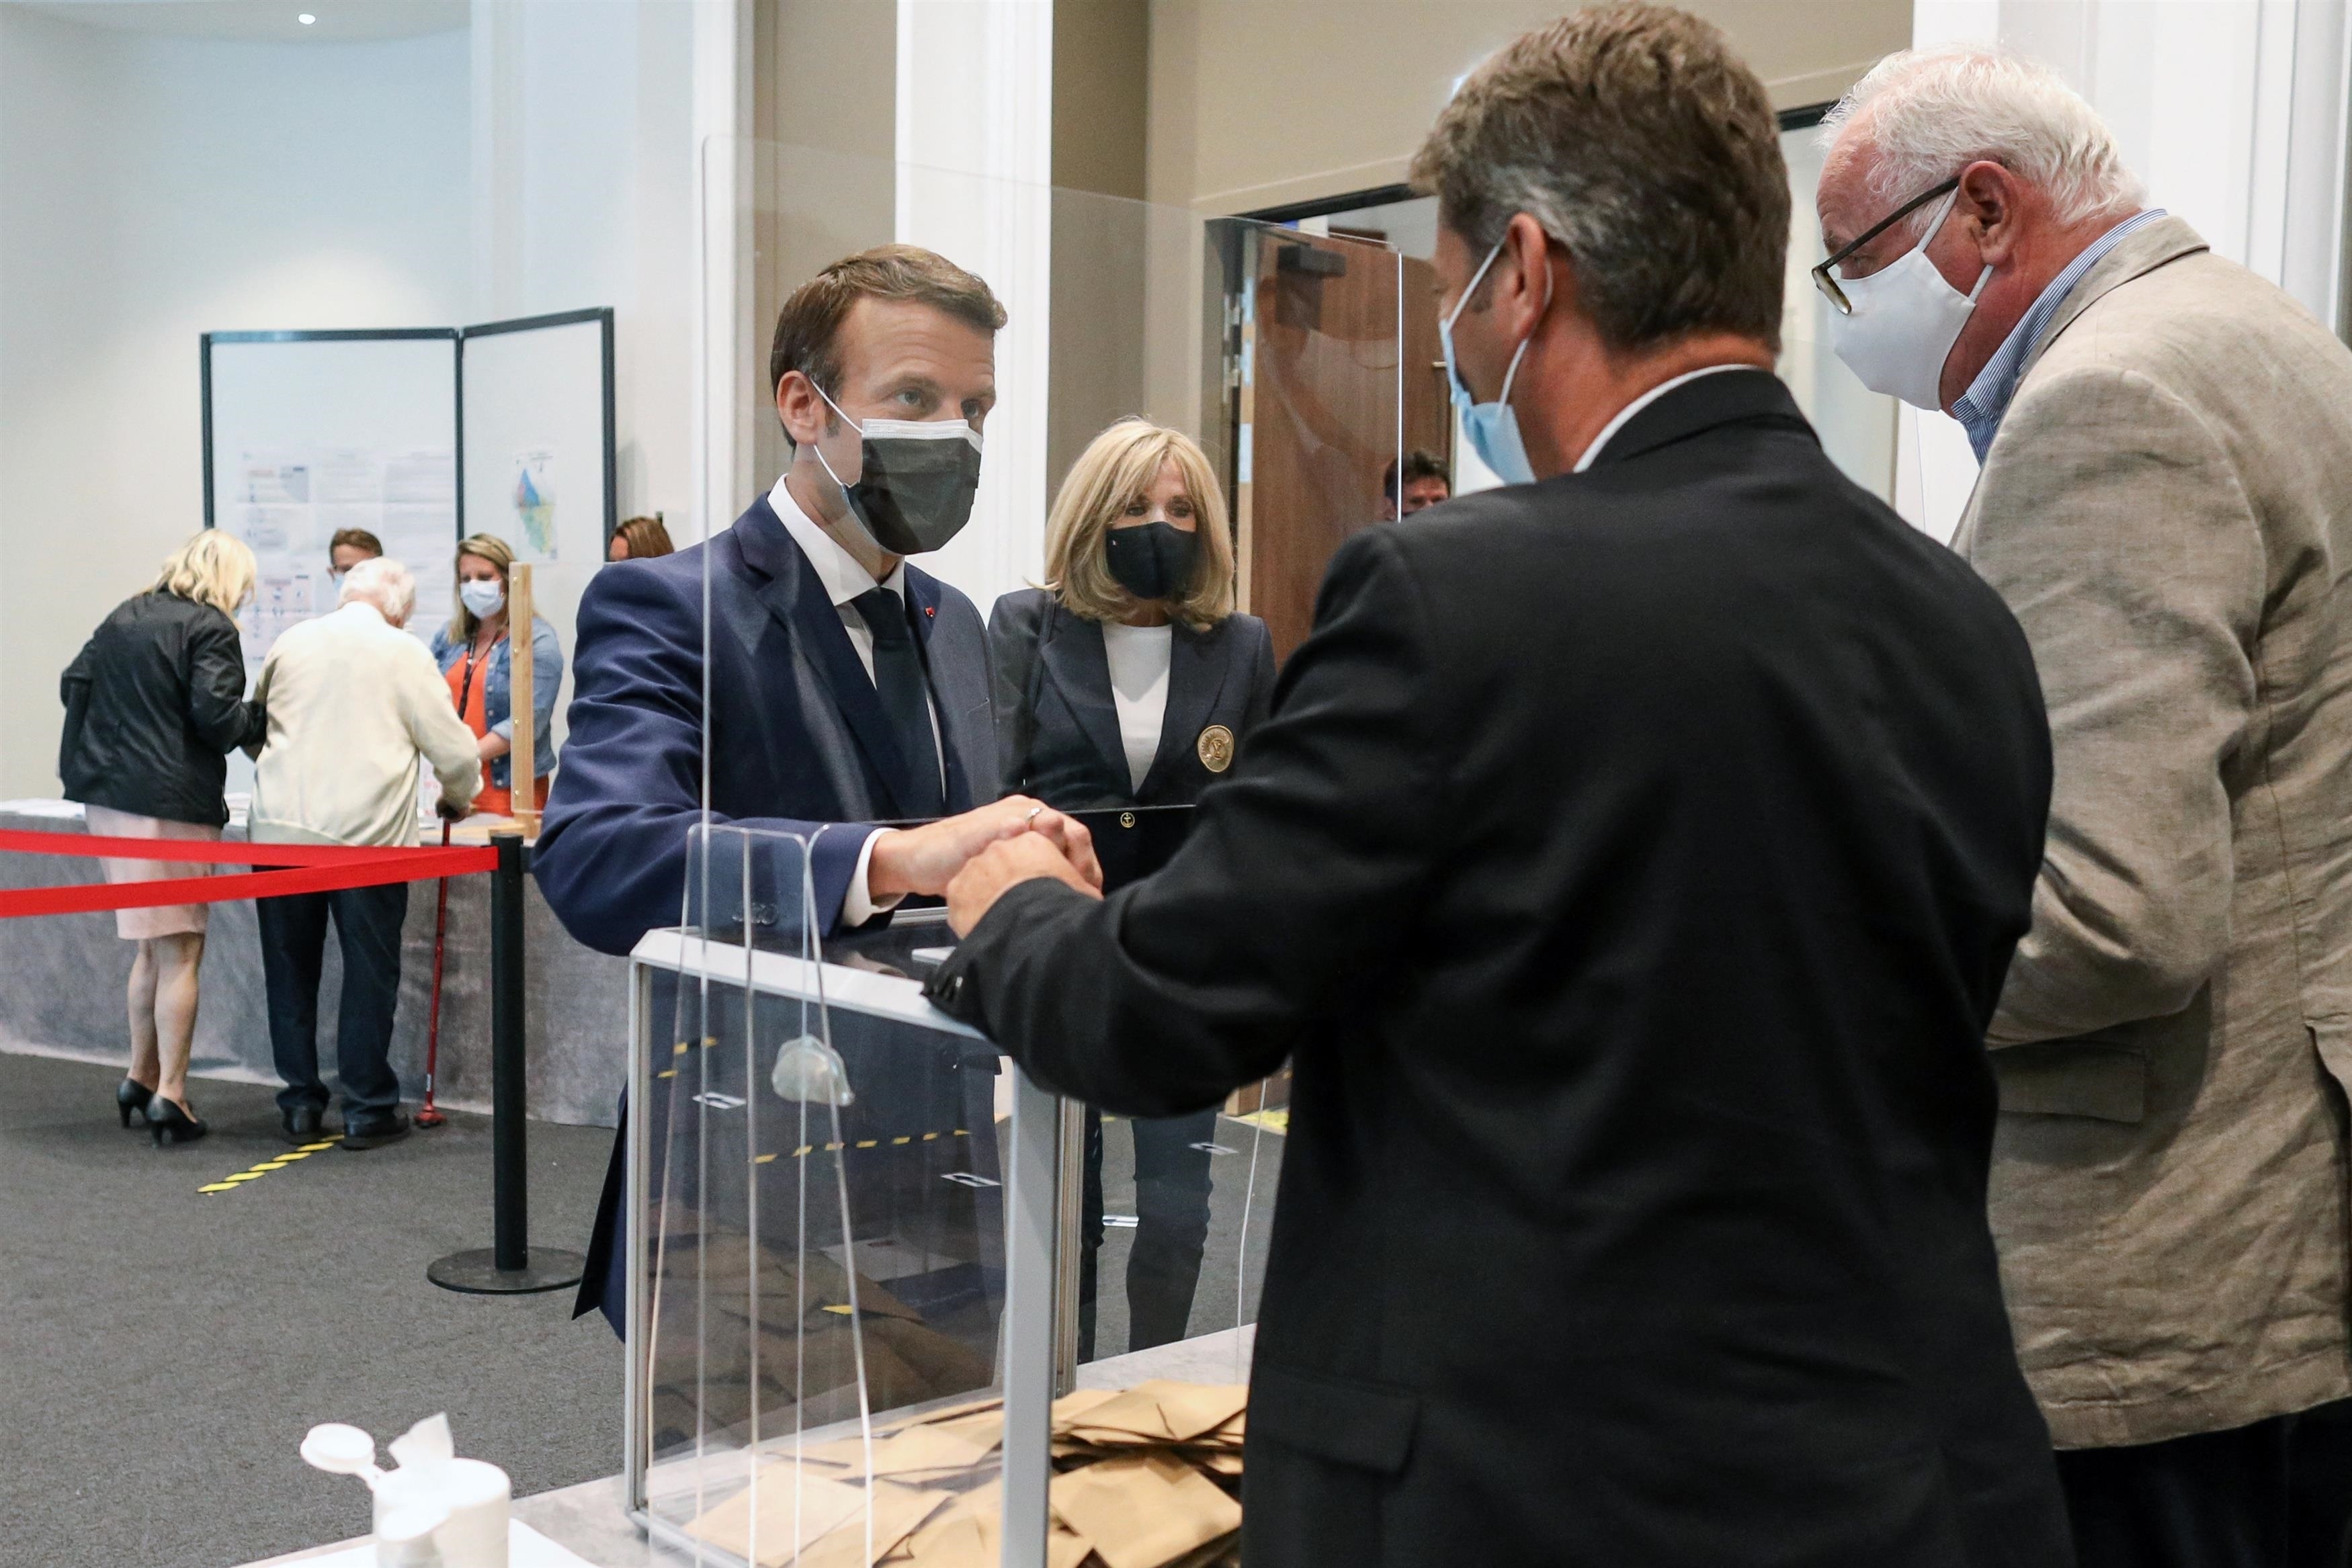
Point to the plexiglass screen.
(1182, 419)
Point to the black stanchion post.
(510, 1266)
(509, 1132)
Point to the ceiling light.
(306, 18)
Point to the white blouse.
(1139, 659)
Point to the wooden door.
(1317, 421)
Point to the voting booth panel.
(538, 428)
(308, 433)
(419, 437)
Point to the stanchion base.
(476, 1272)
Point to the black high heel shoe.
(167, 1121)
(131, 1096)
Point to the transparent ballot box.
(817, 1233)
(853, 1242)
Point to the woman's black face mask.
(1152, 560)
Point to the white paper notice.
(288, 505)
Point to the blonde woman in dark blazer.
(1129, 680)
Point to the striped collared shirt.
(1980, 409)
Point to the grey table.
(67, 975)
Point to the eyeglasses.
(1826, 280)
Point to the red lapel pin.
(930, 610)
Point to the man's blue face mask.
(1493, 428)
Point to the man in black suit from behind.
(1629, 868)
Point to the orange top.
(467, 679)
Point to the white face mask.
(1903, 322)
(483, 596)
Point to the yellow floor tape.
(274, 1162)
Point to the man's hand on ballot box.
(975, 890)
(923, 859)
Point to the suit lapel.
(794, 597)
(1196, 678)
(1075, 662)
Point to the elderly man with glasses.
(2166, 504)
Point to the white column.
(974, 170)
(2231, 110)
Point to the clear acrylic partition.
(839, 1186)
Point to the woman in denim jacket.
(472, 650)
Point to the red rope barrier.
(224, 852)
(316, 868)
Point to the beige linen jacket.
(2167, 510)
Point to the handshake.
(974, 858)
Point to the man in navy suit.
(846, 686)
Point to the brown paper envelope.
(958, 1412)
(967, 1533)
(1218, 1464)
(898, 1511)
(1117, 1437)
(1077, 1402)
(963, 1534)
(940, 1447)
(986, 1425)
(1135, 1412)
(953, 1540)
(1191, 1409)
(1065, 1547)
(1144, 1511)
(773, 1497)
(915, 1449)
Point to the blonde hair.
(1117, 468)
(500, 554)
(215, 568)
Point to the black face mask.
(915, 483)
(1152, 560)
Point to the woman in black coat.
(154, 703)
(1130, 681)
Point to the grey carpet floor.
(162, 1351)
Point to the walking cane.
(427, 1116)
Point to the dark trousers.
(1171, 1214)
(2276, 1494)
(293, 951)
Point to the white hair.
(384, 584)
(1927, 114)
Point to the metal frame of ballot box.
(1032, 1311)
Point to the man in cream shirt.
(354, 703)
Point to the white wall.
(153, 188)
(2231, 110)
(583, 178)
